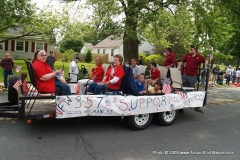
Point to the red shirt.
(170, 59)
(40, 69)
(155, 74)
(118, 72)
(192, 63)
(99, 72)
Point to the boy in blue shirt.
(140, 83)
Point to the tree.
(88, 57)
(21, 15)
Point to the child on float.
(140, 83)
(156, 89)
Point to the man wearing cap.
(51, 60)
(73, 70)
(192, 59)
(7, 65)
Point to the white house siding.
(117, 50)
(27, 53)
(146, 46)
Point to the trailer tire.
(12, 92)
(166, 118)
(140, 121)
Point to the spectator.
(192, 60)
(51, 60)
(140, 83)
(112, 80)
(238, 76)
(234, 74)
(97, 76)
(156, 61)
(7, 65)
(228, 75)
(203, 77)
(45, 76)
(140, 62)
(170, 60)
(126, 64)
(148, 69)
(73, 70)
(155, 75)
(215, 72)
(135, 68)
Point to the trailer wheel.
(140, 121)
(12, 92)
(166, 118)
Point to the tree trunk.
(130, 39)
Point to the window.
(20, 46)
(112, 52)
(103, 51)
(98, 51)
(1, 46)
(39, 45)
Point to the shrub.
(152, 57)
(88, 57)
(68, 55)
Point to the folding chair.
(34, 84)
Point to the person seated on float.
(113, 79)
(97, 76)
(45, 77)
(140, 83)
(155, 75)
(156, 89)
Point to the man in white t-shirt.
(135, 68)
(238, 76)
(73, 70)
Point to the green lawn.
(57, 65)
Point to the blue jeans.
(96, 89)
(64, 87)
(5, 75)
(227, 79)
(233, 79)
(203, 80)
(189, 81)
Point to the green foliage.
(71, 44)
(88, 57)
(68, 55)
(144, 57)
(152, 57)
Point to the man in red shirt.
(192, 59)
(155, 75)
(170, 60)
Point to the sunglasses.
(44, 55)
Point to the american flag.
(211, 57)
(167, 88)
(108, 102)
(183, 93)
(17, 84)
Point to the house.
(114, 45)
(85, 47)
(22, 47)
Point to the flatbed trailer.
(138, 111)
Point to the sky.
(75, 8)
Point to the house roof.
(110, 41)
(88, 45)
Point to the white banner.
(117, 105)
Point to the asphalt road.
(212, 135)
